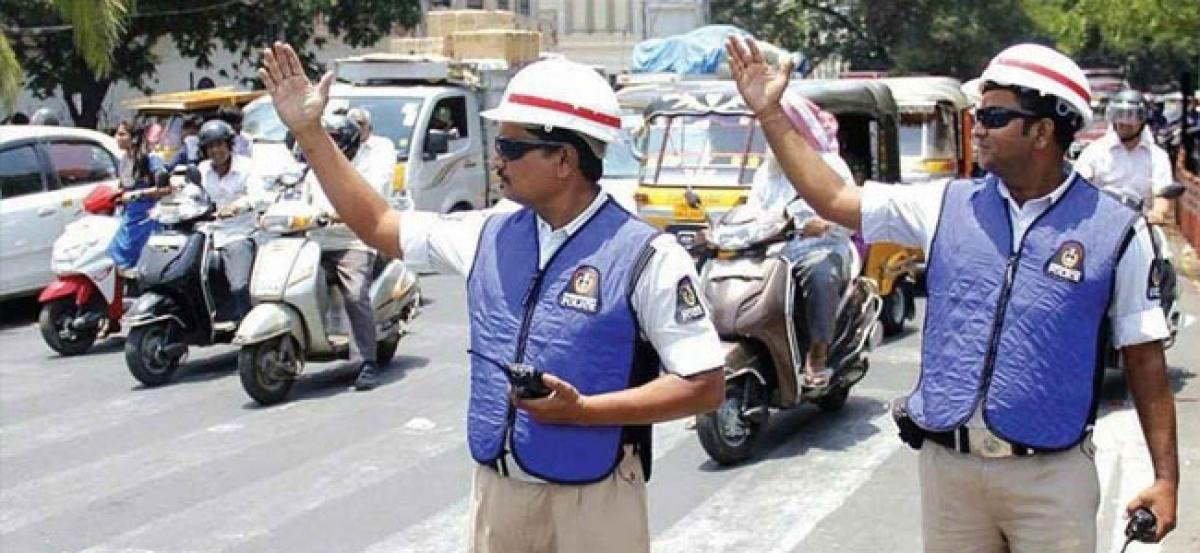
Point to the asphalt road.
(92, 461)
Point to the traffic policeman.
(568, 285)
(1028, 267)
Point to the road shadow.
(794, 432)
(337, 378)
(209, 368)
(17, 312)
(1114, 392)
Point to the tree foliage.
(199, 29)
(957, 38)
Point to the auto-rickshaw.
(169, 110)
(702, 146)
(935, 128)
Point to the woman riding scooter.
(138, 169)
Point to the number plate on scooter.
(167, 241)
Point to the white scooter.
(296, 305)
(88, 296)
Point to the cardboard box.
(432, 46)
(444, 23)
(515, 47)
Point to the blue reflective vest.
(573, 320)
(1020, 329)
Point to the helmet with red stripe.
(1043, 69)
(561, 94)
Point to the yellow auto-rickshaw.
(169, 110)
(935, 127)
(702, 146)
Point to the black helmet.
(345, 133)
(45, 116)
(1128, 105)
(214, 130)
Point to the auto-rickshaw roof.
(192, 100)
(920, 94)
(702, 97)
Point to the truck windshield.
(391, 117)
(702, 150)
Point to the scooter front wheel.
(267, 369)
(56, 321)
(726, 434)
(146, 353)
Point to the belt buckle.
(989, 446)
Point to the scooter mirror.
(162, 178)
(192, 175)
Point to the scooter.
(1166, 278)
(297, 308)
(88, 296)
(758, 312)
(185, 300)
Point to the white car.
(45, 172)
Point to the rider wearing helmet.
(568, 284)
(1026, 266)
(230, 184)
(1127, 158)
(45, 116)
(344, 255)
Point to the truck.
(428, 107)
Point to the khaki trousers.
(511, 516)
(1018, 504)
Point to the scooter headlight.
(286, 223)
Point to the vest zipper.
(1010, 274)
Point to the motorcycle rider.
(189, 147)
(343, 254)
(230, 183)
(821, 248)
(137, 169)
(1126, 157)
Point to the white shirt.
(448, 242)
(237, 188)
(909, 215)
(1144, 170)
(371, 166)
(772, 191)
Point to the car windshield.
(702, 150)
(619, 158)
(260, 121)
(391, 116)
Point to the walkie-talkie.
(1142, 526)
(526, 380)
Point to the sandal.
(818, 380)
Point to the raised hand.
(297, 101)
(761, 87)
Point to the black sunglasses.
(512, 149)
(996, 117)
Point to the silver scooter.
(296, 305)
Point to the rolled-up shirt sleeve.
(904, 214)
(444, 242)
(684, 338)
(1136, 313)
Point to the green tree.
(198, 29)
(945, 37)
(95, 26)
(1152, 39)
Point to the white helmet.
(1039, 68)
(561, 94)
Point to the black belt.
(960, 441)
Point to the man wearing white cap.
(574, 306)
(1028, 268)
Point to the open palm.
(298, 102)
(761, 87)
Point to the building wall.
(604, 32)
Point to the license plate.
(686, 212)
(167, 240)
